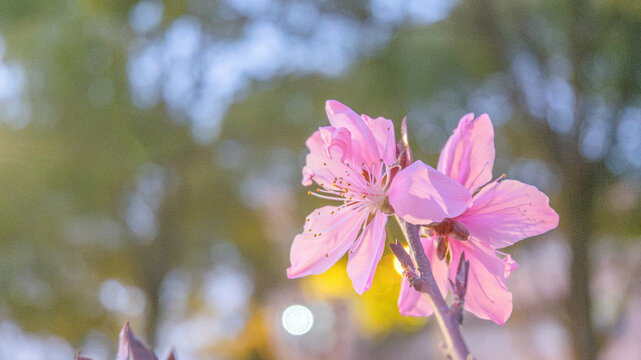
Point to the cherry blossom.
(353, 161)
(502, 213)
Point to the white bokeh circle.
(297, 320)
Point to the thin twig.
(448, 319)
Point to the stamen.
(326, 197)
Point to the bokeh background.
(151, 154)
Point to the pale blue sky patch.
(145, 16)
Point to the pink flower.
(502, 213)
(353, 162)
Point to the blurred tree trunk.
(580, 180)
(159, 257)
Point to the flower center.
(386, 208)
(366, 190)
(443, 231)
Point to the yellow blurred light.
(397, 264)
(332, 284)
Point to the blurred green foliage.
(71, 161)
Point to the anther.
(441, 247)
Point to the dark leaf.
(132, 348)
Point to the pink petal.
(327, 145)
(414, 303)
(308, 175)
(420, 195)
(315, 254)
(383, 131)
(315, 145)
(366, 252)
(508, 211)
(510, 265)
(439, 267)
(363, 141)
(487, 295)
(315, 142)
(330, 149)
(337, 143)
(468, 155)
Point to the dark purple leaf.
(132, 348)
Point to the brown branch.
(424, 282)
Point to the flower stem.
(448, 319)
